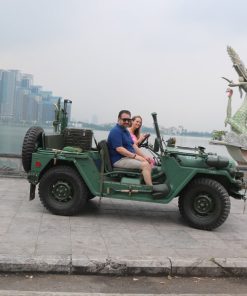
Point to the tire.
(205, 204)
(32, 141)
(62, 191)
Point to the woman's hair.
(137, 132)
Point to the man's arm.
(126, 153)
(121, 150)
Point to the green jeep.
(70, 171)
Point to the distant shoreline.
(105, 127)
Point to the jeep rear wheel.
(32, 141)
(62, 191)
(205, 204)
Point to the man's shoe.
(160, 191)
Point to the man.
(123, 152)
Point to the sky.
(164, 56)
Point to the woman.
(135, 130)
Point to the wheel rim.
(62, 192)
(203, 204)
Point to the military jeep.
(70, 171)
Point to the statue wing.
(237, 63)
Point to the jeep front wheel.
(205, 204)
(62, 191)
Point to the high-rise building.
(26, 80)
(7, 93)
(21, 101)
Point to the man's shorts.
(127, 163)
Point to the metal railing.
(11, 165)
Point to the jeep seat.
(106, 161)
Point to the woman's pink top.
(134, 138)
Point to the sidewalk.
(115, 237)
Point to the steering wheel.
(144, 142)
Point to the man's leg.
(129, 163)
(146, 171)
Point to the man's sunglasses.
(125, 119)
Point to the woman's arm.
(141, 156)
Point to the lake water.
(11, 138)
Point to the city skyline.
(23, 101)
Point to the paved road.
(115, 237)
(33, 293)
(119, 285)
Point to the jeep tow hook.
(244, 199)
(244, 187)
(32, 192)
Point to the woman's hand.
(140, 158)
(149, 159)
(144, 158)
(142, 138)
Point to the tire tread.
(28, 146)
(225, 200)
(80, 185)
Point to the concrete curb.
(120, 267)
(43, 264)
(213, 267)
(12, 176)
